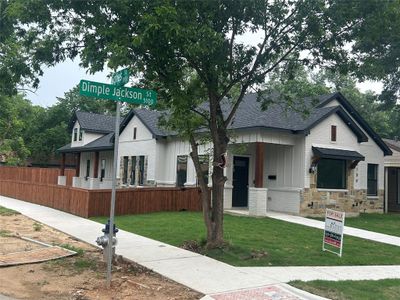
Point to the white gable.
(142, 133)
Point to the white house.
(277, 160)
(392, 174)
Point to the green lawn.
(383, 223)
(388, 289)
(285, 244)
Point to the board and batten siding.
(166, 160)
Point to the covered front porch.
(265, 176)
(93, 170)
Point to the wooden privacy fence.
(91, 203)
(37, 175)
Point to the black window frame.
(87, 169)
(125, 169)
(372, 183)
(80, 138)
(141, 169)
(102, 169)
(133, 170)
(181, 170)
(75, 134)
(322, 170)
(134, 133)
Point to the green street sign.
(117, 93)
(120, 78)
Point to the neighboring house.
(277, 160)
(392, 173)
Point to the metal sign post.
(116, 92)
(113, 194)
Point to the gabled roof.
(249, 115)
(101, 144)
(393, 144)
(360, 120)
(149, 118)
(93, 122)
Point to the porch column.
(259, 176)
(77, 164)
(62, 168)
(96, 165)
(258, 194)
(61, 179)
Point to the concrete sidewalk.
(198, 272)
(361, 233)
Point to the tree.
(50, 128)
(15, 120)
(181, 47)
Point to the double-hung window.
(372, 187)
(75, 134)
(181, 170)
(331, 174)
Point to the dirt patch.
(78, 277)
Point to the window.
(125, 170)
(398, 186)
(372, 188)
(80, 134)
(102, 169)
(181, 170)
(204, 165)
(87, 169)
(133, 170)
(75, 134)
(331, 174)
(134, 132)
(333, 133)
(141, 170)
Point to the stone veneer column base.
(257, 201)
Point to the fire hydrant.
(104, 240)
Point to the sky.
(63, 77)
(60, 79)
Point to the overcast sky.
(64, 76)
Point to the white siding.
(285, 162)
(320, 136)
(144, 145)
(393, 160)
(167, 153)
(87, 137)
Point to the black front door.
(240, 181)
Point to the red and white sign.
(333, 232)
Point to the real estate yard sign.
(333, 233)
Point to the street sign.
(333, 232)
(117, 93)
(120, 78)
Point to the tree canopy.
(184, 48)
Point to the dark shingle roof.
(393, 144)
(94, 122)
(250, 115)
(103, 143)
